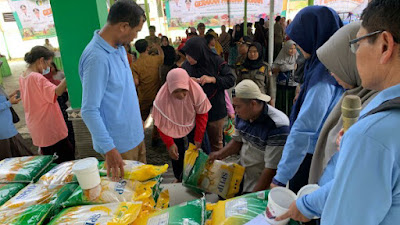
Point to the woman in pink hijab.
(181, 110)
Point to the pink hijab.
(177, 118)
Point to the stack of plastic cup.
(87, 173)
(279, 200)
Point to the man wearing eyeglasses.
(366, 186)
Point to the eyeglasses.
(354, 43)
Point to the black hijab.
(238, 34)
(169, 53)
(208, 63)
(254, 64)
(197, 48)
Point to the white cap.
(247, 89)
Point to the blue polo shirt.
(110, 106)
(7, 128)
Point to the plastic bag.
(192, 213)
(107, 214)
(32, 215)
(218, 177)
(23, 169)
(229, 131)
(135, 170)
(35, 194)
(240, 210)
(8, 191)
(112, 192)
(163, 200)
(60, 174)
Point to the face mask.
(46, 71)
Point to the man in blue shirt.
(366, 186)
(110, 107)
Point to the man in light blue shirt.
(366, 185)
(110, 107)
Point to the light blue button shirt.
(319, 102)
(110, 106)
(7, 128)
(366, 187)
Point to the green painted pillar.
(245, 19)
(310, 2)
(147, 12)
(75, 22)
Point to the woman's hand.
(297, 94)
(173, 152)
(293, 213)
(198, 145)
(206, 80)
(339, 138)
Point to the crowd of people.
(288, 121)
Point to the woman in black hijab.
(255, 69)
(169, 58)
(237, 33)
(214, 75)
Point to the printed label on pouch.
(236, 207)
(120, 187)
(159, 220)
(93, 219)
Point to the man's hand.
(293, 213)
(339, 138)
(215, 156)
(206, 80)
(115, 165)
(12, 94)
(14, 100)
(173, 152)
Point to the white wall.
(16, 45)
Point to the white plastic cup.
(279, 200)
(87, 173)
(308, 189)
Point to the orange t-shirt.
(43, 115)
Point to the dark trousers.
(277, 49)
(64, 150)
(177, 165)
(300, 179)
(284, 98)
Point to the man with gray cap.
(260, 134)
